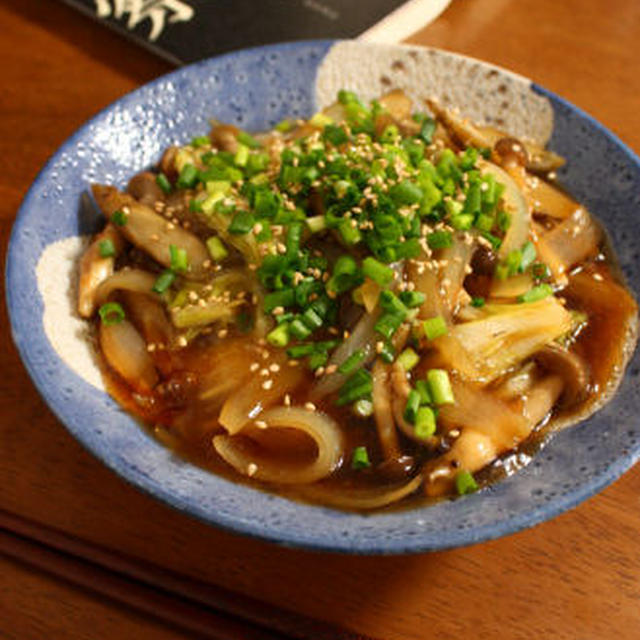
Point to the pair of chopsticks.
(199, 608)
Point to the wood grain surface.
(576, 577)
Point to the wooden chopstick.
(198, 607)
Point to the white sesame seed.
(254, 366)
(251, 469)
(274, 368)
(287, 400)
(182, 341)
(309, 406)
(267, 384)
(261, 424)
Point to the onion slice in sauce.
(96, 268)
(126, 352)
(245, 455)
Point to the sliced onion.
(480, 410)
(361, 499)
(456, 259)
(547, 199)
(362, 337)
(149, 317)
(425, 278)
(511, 287)
(401, 388)
(540, 399)
(515, 205)
(126, 352)
(95, 269)
(134, 280)
(245, 455)
(568, 244)
(257, 395)
(382, 411)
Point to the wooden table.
(84, 555)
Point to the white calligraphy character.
(138, 10)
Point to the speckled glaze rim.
(514, 503)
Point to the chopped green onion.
(360, 458)
(163, 182)
(408, 359)
(178, 257)
(200, 141)
(106, 249)
(216, 248)
(284, 125)
(493, 240)
(422, 387)
(477, 302)
(358, 386)
(242, 156)
(540, 271)
(282, 298)
(465, 482)
(111, 313)
(412, 406)
(528, 256)
(248, 140)
(363, 408)
(317, 224)
(320, 120)
(378, 272)
(195, 204)
(387, 354)
(311, 318)
(389, 302)
(188, 177)
(406, 193)
(462, 222)
(119, 218)
(484, 222)
(389, 134)
(352, 362)
(242, 223)
(302, 350)
(388, 324)
(425, 423)
(217, 186)
(279, 337)
(538, 292)
(412, 299)
(435, 327)
(440, 240)
(164, 281)
(345, 275)
(299, 329)
(440, 386)
(294, 237)
(335, 135)
(318, 359)
(349, 232)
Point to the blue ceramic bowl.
(255, 89)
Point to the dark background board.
(187, 30)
